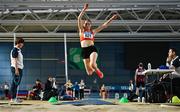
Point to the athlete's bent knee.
(93, 65)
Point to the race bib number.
(88, 35)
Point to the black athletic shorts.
(86, 51)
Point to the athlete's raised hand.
(86, 6)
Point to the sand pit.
(42, 106)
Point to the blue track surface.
(88, 102)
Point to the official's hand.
(168, 59)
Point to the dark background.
(145, 52)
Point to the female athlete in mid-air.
(89, 51)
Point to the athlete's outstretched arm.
(80, 25)
(105, 24)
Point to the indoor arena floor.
(112, 106)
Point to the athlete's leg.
(93, 59)
(93, 64)
(143, 89)
(137, 91)
(88, 68)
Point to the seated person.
(173, 62)
(63, 94)
(35, 93)
(69, 86)
(132, 95)
(50, 89)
